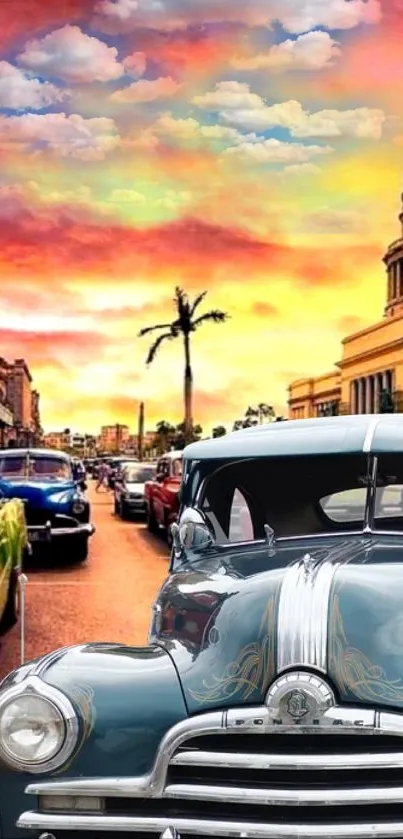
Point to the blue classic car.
(269, 702)
(57, 510)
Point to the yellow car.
(13, 544)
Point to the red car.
(162, 494)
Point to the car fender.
(126, 699)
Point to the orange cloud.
(26, 17)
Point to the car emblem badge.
(297, 705)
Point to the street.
(107, 598)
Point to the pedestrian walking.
(103, 477)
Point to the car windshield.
(34, 467)
(301, 496)
(139, 474)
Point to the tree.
(165, 433)
(265, 412)
(254, 416)
(179, 440)
(182, 327)
(219, 431)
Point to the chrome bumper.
(204, 827)
(46, 532)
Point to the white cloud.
(277, 151)
(303, 15)
(147, 91)
(71, 55)
(229, 95)
(85, 139)
(135, 64)
(295, 16)
(312, 51)
(238, 106)
(18, 91)
(190, 129)
(123, 10)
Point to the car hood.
(37, 492)
(134, 487)
(224, 629)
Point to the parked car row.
(149, 490)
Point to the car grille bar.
(387, 760)
(221, 775)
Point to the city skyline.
(250, 150)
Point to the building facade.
(114, 438)
(20, 422)
(369, 377)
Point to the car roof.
(171, 455)
(349, 434)
(35, 452)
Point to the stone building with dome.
(369, 377)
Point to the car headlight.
(78, 507)
(38, 727)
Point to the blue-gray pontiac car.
(269, 702)
(57, 510)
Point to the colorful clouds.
(252, 150)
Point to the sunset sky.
(251, 149)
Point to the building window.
(327, 409)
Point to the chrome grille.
(259, 785)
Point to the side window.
(240, 526)
(346, 506)
(163, 468)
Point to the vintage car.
(279, 714)
(57, 510)
(129, 498)
(13, 549)
(162, 495)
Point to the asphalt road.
(107, 598)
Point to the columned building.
(19, 405)
(369, 376)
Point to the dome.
(393, 260)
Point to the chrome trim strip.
(303, 609)
(205, 827)
(369, 436)
(63, 531)
(303, 614)
(253, 720)
(286, 797)
(231, 760)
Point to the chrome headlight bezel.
(78, 506)
(34, 686)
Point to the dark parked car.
(269, 702)
(57, 509)
(129, 496)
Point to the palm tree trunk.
(188, 390)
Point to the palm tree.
(182, 326)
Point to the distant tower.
(140, 442)
(393, 260)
